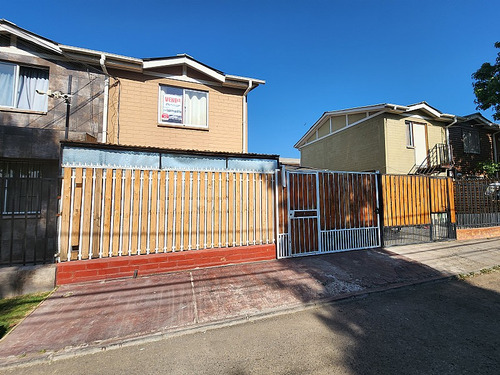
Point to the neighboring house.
(474, 140)
(169, 103)
(31, 125)
(389, 138)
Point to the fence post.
(380, 206)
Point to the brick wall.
(126, 266)
(138, 116)
(467, 163)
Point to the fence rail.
(115, 212)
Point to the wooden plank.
(65, 213)
(251, 209)
(171, 213)
(127, 204)
(194, 212)
(98, 196)
(258, 208)
(237, 209)
(117, 210)
(187, 214)
(244, 211)
(216, 220)
(87, 213)
(161, 210)
(230, 209)
(210, 207)
(203, 210)
(178, 211)
(135, 212)
(271, 207)
(77, 203)
(223, 211)
(451, 199)
(154, 242)
(106, 235)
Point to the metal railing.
(440, 157)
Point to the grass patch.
(13, 310)
(484, 271)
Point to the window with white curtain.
(18, 85)
(185, 107)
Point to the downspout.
(102, 61)
(245, 116)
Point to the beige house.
(389, 138)
(171, 102)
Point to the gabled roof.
(112, 60)
(381, 108)
(478, 119)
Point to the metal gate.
(324, 212)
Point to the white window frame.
(183, 125)
(410, 141)
(17, 68)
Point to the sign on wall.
(171, 109)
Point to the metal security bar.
(323, 212)
(477, 203)
(28, 212)
(108, 212)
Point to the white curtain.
(196, 108)
(30, 80)
(7, 72)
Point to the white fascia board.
(426, 108)
(30, 37)
(176, 61)
(350, 111)
(341, 129)
(91, 52)
(245, 79)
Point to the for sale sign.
(172, 105)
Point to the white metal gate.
(324, 212)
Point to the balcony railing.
(439, 159)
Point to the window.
(409, 134)
(21, 185)
(471, 141)
(18, 85)
(178, 106)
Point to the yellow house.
(389, 138)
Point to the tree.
(487, 86)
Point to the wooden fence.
(417, 209)
(109, 212)
(477, 203)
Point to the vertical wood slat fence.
(410, 200)
(417, 209)
(108, 212)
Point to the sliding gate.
(324, 212)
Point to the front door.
(420, 143)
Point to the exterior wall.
(467, 163)
(138, 116)
(28, 134)
(400, 158)
(360, 148)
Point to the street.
(445, 327)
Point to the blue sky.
(315, 56)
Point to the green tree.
(487, 86)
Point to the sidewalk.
(99, 315)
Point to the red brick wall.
(478, 233)
(125, 266)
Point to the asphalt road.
(448, 327)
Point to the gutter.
(102, 62)
(455, 120)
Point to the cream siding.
(400, 158)
(360, 148)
